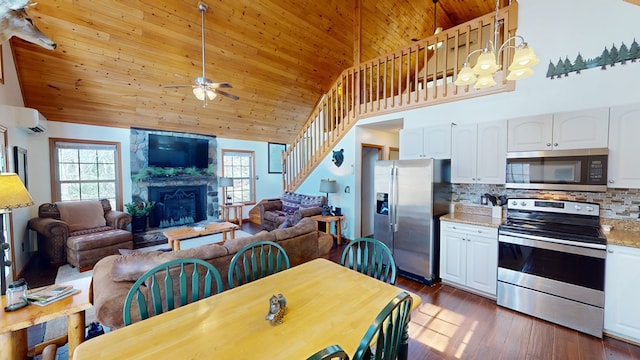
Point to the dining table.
(326, 304)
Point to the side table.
(14, 324)
(328, 220)
(237, 212)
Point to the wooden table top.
(327, 218)
(189, 232)
(34, 314)
(327, 304)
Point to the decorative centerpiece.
(139, 211)
(277, 309)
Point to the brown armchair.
(292, 207)
(81, 232)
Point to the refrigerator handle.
(393, 193)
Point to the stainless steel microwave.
(570, 170)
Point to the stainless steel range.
(551, 262)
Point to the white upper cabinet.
(583, 129)
(424, 143)
(479, 153)
(531, 133)
(624, 147)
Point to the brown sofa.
(291, 206)
(81, 232)
(113, 276)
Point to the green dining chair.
(330, 352)
(370, 257)
(384, 338)
(255, 261)
(196, 279)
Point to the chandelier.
(483, 73)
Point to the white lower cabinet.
(469, 256)
(622, 293)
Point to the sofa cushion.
(131, 266)
(307, 201)
(82, 214)
(290, 202)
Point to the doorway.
(370, 154)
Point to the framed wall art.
(20, 163)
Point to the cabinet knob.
(611, 181)
(555, 144)
(548, 144)
(610, 251)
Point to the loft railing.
(418, 75)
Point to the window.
(86, 170)
(239, 165)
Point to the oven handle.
(555, 245)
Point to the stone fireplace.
(181, 195)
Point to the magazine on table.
(48, 294)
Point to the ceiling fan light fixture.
(211, 94)
(199, 93)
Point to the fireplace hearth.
(177, 205)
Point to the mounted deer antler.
(14, 21)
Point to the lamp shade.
(486, 64)
(328, 186)
(466, 76)
(13, 194)
(225, 181)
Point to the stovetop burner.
(555, 219)
(587, 234)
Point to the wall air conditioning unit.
(30, 120)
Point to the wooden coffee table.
(175, 235)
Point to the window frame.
(53, 167)
(251, 178)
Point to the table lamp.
(13, 195)
(328, 186)
(225, 182)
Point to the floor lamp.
(13, 195)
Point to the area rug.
(58, 327)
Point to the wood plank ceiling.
(114, 58)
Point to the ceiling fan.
(205, 89)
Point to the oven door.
(568, 271)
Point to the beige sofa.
(81, 232)
(113, 276)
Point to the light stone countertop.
(472, 219)
(623, 237)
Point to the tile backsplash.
(620, 204)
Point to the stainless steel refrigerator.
(410, 197)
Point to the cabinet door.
(622, 294)
(453, 252)
(464, 159)
(530, 133)
(437, 141)
(584, 129)
(482, 263)
(624, 147)
(492, 153)
(411, 141)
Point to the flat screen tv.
(176, 151)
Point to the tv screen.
(175, 151)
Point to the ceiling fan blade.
(177, 86)
(224, 93)
(220, 85)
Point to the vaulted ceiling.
(114, 58)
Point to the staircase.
(418, 75)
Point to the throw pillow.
(285, 224)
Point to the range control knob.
(524, 203)
(577, 207)
(589, 208)
(514, 203)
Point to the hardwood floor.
(455, 324)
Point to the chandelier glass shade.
(487, 65)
